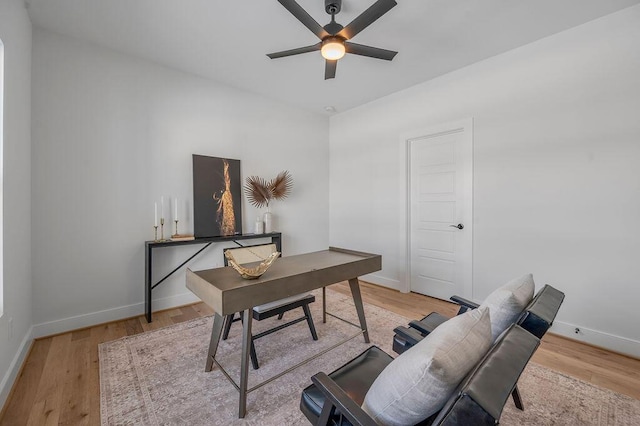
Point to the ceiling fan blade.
(330, 69)
(306, 19)
(297, 51)
(372, 52)
(367, 18)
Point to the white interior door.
(440, 211)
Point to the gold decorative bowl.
(256, 271)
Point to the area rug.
(552, 398)
(158, 378)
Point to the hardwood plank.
(160, 319)
(47, 404)
(21, 400)
(80, 334)
(133, 326)
(186, 313)
(203, 309)
(76, 400)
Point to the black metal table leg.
(147, 280)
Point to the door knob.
(459, 226)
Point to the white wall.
(556, 181)
(15, 32)
(111, 134)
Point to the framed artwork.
(217, 197)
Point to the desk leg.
(357, 300)
(324, 305)
(216, 331)
(244, 364)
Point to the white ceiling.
(227, 40)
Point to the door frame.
(404, 248)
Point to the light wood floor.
(59, 382)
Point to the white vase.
(268, 222)
(259, 227)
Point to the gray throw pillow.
(507, 302)
(417, 383)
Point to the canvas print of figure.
(217, 198)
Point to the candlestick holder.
(155, 233)
(161, 229)
(176, 234)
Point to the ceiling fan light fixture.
(332, 48)
(335, 40)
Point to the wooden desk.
(226, 292)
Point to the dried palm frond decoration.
(260, 192)
(281, 185)
(256, 271)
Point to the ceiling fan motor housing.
(332, 7)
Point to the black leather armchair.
(536, 318)
(336, 399)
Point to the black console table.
(276, 238)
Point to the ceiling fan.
(334, 37)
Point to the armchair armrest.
(409, 334)
(336, 398)
(465, 304)
(421, 327)
(538, 316)
(429, 323)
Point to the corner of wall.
(6, 385)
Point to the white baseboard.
(108, 315)
(14, 368)
(380, 280)
(608, 341)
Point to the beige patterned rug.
(158, 378)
